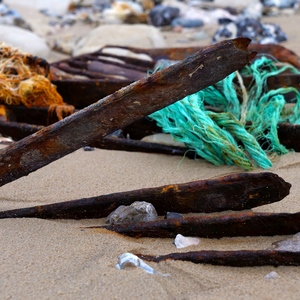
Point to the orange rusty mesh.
(24, 80)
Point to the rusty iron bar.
(238, 258)
(232, 192)
(123, 107)
(289, 136)
(214, 225)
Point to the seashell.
(129, 259)
(182, 241)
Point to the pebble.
(139, 211)
(182, 241)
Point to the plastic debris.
(129, 259)
(272, 275)
(182, 241)
(292, 244)
(139, 211)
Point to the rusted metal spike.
(232, 192)
(239, 258)
(214, 225)
(123, 107)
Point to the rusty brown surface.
(233, 192)
(238, 258)
(74, 90)
(289, 136)
(123, 107)
(214, 225)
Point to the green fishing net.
(228, 123)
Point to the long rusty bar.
(232, 192)
(239, 258)
(214, 225)
(123, 107)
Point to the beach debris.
(238, 258)
(291, 244)
(214, 225)
(183, 241)
(83, 88)
(232, 192)
(130, 260)
(125, 106)
(138, 211)
(25, 81)
(244, 130)
(272, 275)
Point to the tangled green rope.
(246, 120)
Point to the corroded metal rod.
(115, 111)
(232, 192)
(214, 225)
(239, 258)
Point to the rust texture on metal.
(123, 107)
(238, 258)
(215, 225)
(233, 192)
(75, 90)
(289, 136)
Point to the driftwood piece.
(239, 258)
(214, 226)
(123, 107)
(232, 192)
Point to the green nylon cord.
(245, 123)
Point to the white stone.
(138, 35)
(58, 7)
(24, 40)
(182, 241)
(272, 275)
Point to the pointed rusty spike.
(239, 258)
(125, 106)
(214, 225)
(232, 192)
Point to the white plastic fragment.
(272, 275)
(292, 244)
(129, 259)
(182, 241)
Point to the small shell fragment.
(182, 241)
(272, 275)
(129, 259)
(292, 244)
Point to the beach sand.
(58, 259)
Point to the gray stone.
(139, 211)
